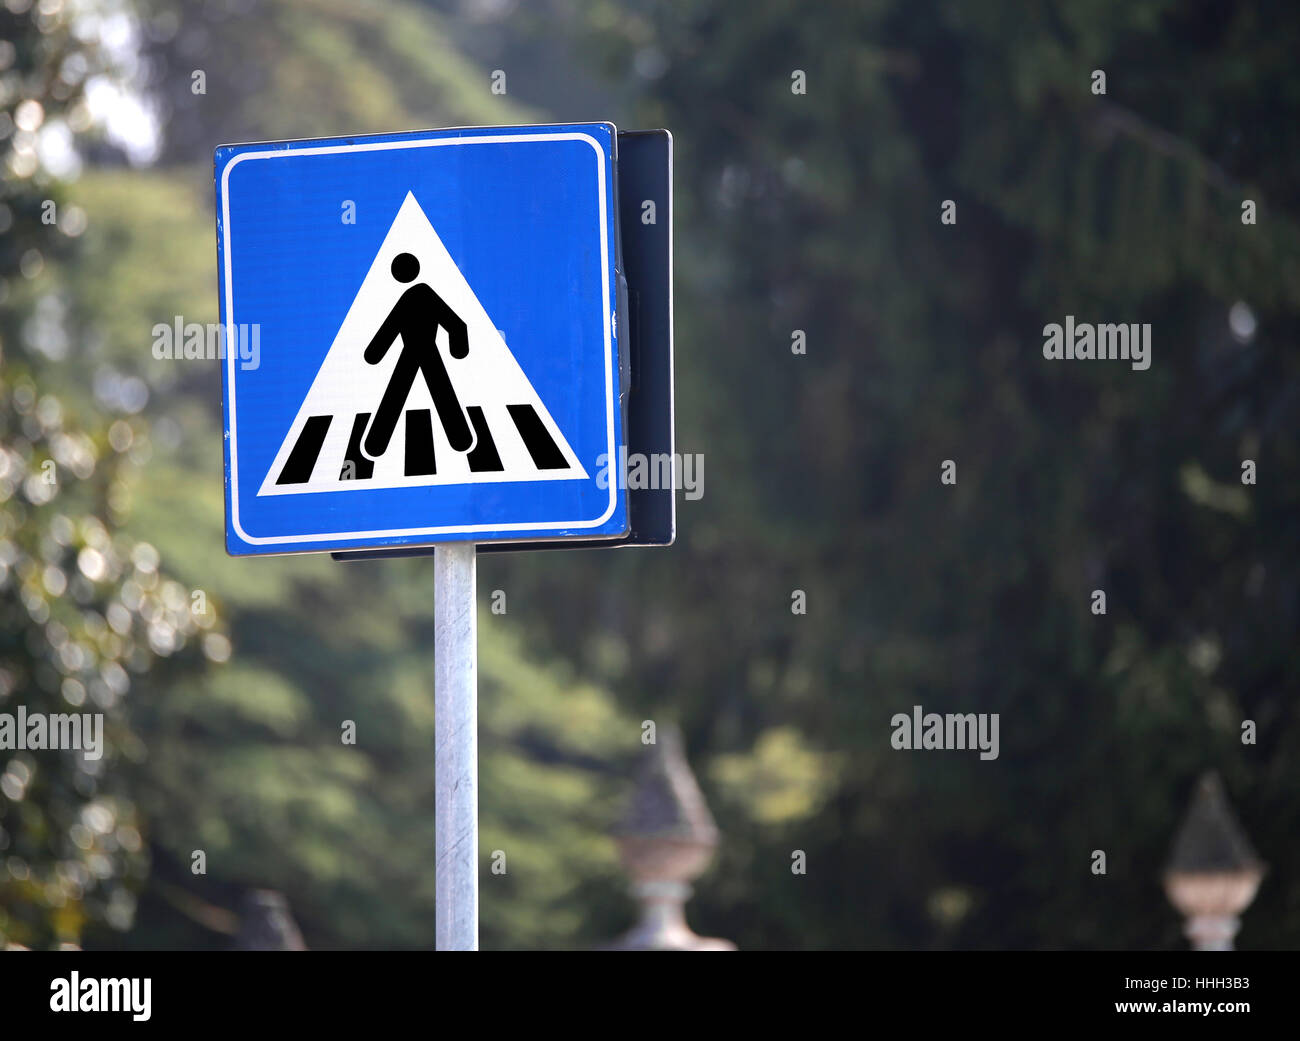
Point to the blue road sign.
(436, 321)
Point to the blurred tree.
(816, 211)
(85, 610)
(821, 211)
(275, 69)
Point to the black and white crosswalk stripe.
(419, 457)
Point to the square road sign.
(422, 338)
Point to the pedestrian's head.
(405, 267)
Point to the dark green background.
(816, 212)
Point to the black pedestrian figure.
(416, 318)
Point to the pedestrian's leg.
(390, 406)
(450, 413)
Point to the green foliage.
(821, 212)
(309, 68)
(817, 212)
(85, 609)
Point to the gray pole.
(455, 695)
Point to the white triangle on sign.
(514, 436)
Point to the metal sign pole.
(455, 648)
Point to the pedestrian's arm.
(457, 332)
(383, 339)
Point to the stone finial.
(265, 923)
(1213, 871)
(666, 839)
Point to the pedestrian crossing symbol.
(442, 367)
(431, 396)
